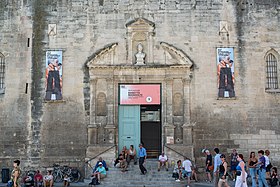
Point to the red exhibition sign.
(140, 94)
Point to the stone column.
(150, 58)
(92, 127)
(186, 84)
(110, 127)
(168, 123)
(187, 126)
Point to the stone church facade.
(106, 45)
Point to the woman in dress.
(240, 172)
(252, 162)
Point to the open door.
(151, 129)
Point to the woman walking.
(15, 174)
(240, 172)
(252, 162)
(223, 172)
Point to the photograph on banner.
(53, 75)
(225, 72)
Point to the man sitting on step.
(162, 161)
(99, 173)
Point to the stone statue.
(140, 56)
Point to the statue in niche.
(140, 56)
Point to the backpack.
(94, 181)
(274, 182)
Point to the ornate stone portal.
(106, 73)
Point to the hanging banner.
(225, 72)
(139, 94)
(53, 75)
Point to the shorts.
(233, 167)
(223, 180)
(186, 173)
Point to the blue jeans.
(262, 179)
(253, 172)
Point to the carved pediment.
(104, 56)
(140, 24)
(140, 31)
(176, 55)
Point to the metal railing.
(179, 153)
(100, 153)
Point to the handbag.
(10, 183)
(211, 168)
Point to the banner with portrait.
(53, 75)
(225, 72)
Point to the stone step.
(133, 178)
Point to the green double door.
(129, 126)
(140, 124)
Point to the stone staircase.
(134, 178)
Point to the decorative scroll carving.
(177, 55)
(103, 56)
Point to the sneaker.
(188, 186)
(158, 169)
(166, 169)
(233, 180)
(178, 180)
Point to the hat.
(100, 163)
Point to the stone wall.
(41, 133)
(15, 107)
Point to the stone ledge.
(54, 101)
(226, 98)
(272, 90)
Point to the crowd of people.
(259, 170)
(33, 178)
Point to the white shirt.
(187, 165)
(162, 158)
(48, 177)
(266, 160)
